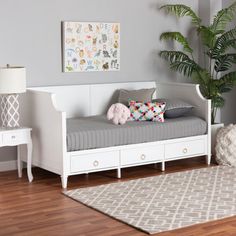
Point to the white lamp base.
(10, 110)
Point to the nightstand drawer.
(14, 138)
(1, 140)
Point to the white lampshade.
(12, 80)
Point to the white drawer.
(183, 149)
(1, 140)
(142, 155)
(94, 161)
(14, 138)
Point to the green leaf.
(222, 18)
(180, 62)
(229, 79)
(173, 56)
(207, 36)
(177, 36)
(181, 10)
(202, 76)
(225, 62)
(218, 101)
(224, 42)
(186, 67)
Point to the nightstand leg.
(19, 162)
(29, 161)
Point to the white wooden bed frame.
(45, 110)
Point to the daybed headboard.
(88, 100)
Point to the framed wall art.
(89, 46)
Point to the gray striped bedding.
(97, 132)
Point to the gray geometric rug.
(168, 201)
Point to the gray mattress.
(97, 132)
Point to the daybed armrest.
(189, 93)
(38, 111)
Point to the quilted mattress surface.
(97, 132)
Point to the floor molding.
(8, 165)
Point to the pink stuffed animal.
(118, 113)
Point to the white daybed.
(45, 110)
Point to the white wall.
(31, 36)
(228, 113)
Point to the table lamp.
(12, 82)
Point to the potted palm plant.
(218, 44)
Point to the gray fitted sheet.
(97, 132)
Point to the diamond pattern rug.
(166, 202)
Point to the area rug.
(166, 202)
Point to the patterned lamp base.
(10, 110)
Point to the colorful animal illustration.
(91, 46)
(114, 63)
(90, 66)
(90, 27)
(97, 64)
(114, 54)
(79, 27)
(98, 53)
(115, 29)
(97, 29)
(116, 44)
(105, 66)
(82, 62)
(106, 54)
(94, 41)
(69, 30)
(104, 38)
(81, 53)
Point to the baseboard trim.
(8, 165)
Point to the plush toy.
(118, 113)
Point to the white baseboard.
(8, 165)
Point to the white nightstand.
(17, 137)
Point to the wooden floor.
(39, 208)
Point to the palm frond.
(203, 77)
(222, 18)
(224, 62)
(177, 36)
(173, 56)
(224, 42)
(186, 67)
(217, 101)
(229, 80)
(181, 10)
(180, 62)
(207, 36)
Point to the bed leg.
(119, 173)
(208, 159)
(64, 180)
(163, 167)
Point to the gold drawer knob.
(95, 163)
(143, 157)
(185, 150)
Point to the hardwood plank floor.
(39, 208)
